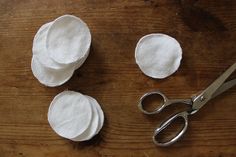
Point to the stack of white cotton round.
(75, 116)
(59, 48)
(158, 55)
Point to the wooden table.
(206, 31)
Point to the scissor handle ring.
(157, 109)
(166, 123)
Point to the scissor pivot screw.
(202, 98)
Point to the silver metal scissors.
(196, 102)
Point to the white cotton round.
(158, 55)
(50, 77)
(68, 39)
(100, 113)
(39, 37)
(80, 62)
(40, 51)
(91, 130)
(70, 114)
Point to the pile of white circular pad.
(59, 48)
(75, 116)
(158, 55)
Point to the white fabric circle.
(91, 130)
(98, 109)
(100, 112)
(39, 49)
(158, 55)
(70, 114)
(68, 39)
(80, 62)
(48, 76)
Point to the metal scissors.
(196, 102)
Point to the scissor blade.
(201, 99)
(224, 87)
(209, 92)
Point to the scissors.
(196, 102)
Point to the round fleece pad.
(39, 49)
(48, 76)
(93, 127)
(68, 39)
(158, 55)
(70, 114)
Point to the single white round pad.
(91, 130)
(70, 114)
(48, 76)
(158, 55)
(68, 39)
(39, 49)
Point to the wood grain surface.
(206, 30)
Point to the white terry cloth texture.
(64, 32)
(75, 116)
(68, 39)
(158, 55)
